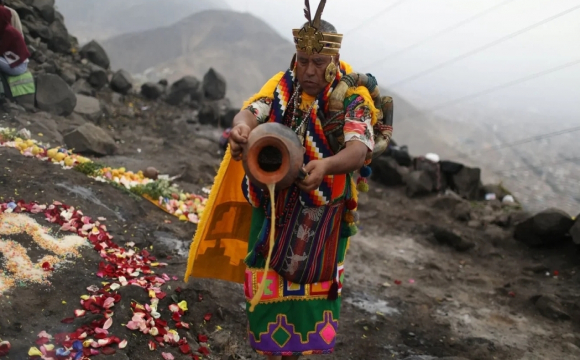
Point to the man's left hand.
(316, 170)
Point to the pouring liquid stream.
(258, 296)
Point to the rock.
(502, 220)
(69, 123)
(449, 238)
(388, 172)
(24, 10)
(122, 82)
(496, 234)
(419, 183)
(42, 122)
(518, 217)
(98, 77)
(95, 54)
(88, 107)
(575, 231)
(550, 227)
(38, 30)
(45, 8)
(462, 212)
(54, 95)
(467, 183)
(401, 155)
(221, 340)
(163, 82)
(152, 91)
(572, 349)
(83, 87)
(446, 202)
(549, 306)
(214, 85)
(184, 90)
(91, 140)
(209, 115)
(475, 224)
(69, 76)
(228, 119)
(60, 41)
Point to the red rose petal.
(68, 320)
(202, 338)
(185, 349)
(108, 350)
(207, 317)
(203, 350)
(398, 282)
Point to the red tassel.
(333, 292)
(351, 204)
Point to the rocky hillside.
(241, 47)
(102, 19)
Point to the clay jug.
(273, 154)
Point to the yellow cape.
(220, 243)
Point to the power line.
(436, 35)
(527, 167)
(530, 139)
(376, 16)
(482, 48)
(495, 88)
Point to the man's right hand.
(238, 140)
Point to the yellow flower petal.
(183, 305)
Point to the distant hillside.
(102, 19)
(243, 48)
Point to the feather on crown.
(313, 41)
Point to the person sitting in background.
(15, 21)
(13, 51)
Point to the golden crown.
(313, 41)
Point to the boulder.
(68, 75)
(81, 86)
(550, 227)
(98, 77)
(449, 238)
(45, 8)
(88, 107)
(38, 30)
(24, 10)
(419, 183)
(575, 231)
(152, 91)
(467, 183)
(209, 114)
(54, 95)
(401, 155)
(388, 172)
(95, 54)
(214, 85)
(60, 41)
(90, 140)
(122, 82)
(184, 90)
(228, 118)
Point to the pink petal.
(108, 323)
(167, 356)
(123, 344)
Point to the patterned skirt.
(291, 319)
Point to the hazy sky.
(376, 29)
